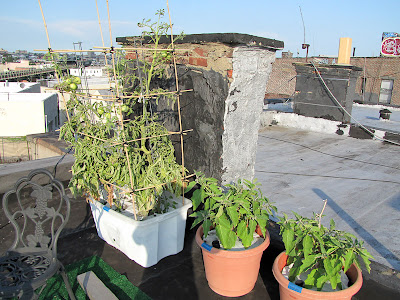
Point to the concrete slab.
(94, 287)
(359, 178)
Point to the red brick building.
(379, 81)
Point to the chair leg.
(66, 282)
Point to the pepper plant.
(234, 211)
(321, 251)
(124, 155)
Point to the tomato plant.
(104, 143)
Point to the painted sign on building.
(390, 44)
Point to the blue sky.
(325, 22)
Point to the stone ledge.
(224, 38)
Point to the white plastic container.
(148, 241)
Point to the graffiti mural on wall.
(390, 44)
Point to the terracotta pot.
(231, 273)
(289, 290)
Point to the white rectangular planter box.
(148, 241)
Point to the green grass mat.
(115, 282)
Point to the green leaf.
(233, 215)
(348, 258)
(206, 227)
(190, 186)
(307, 263)
(197, 198)
(226, 236)
(263, 224)
(195, 222)
(321, 281)
(294, 271)
(311, 280)
(220, 212)
(241, 229)
(307, 245)
(224, 222)
(288, 240)
(332, 225)
(366, 256)
(215, 189)
(328, 267)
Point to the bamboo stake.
(139, 49)
(178, 100)
(102, 41)
(120, 111)
(48, 41)
(66, 50)
(155, 136)
(156, 94)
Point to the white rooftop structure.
(28, 113)
(19, 87)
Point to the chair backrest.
(38, 209)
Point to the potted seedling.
(125, 163)
(235, 212)
(316, 260)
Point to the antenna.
(304, 45)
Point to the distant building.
(13, 66)
(22, 113)
(21, 52)
(24, 110)
(19, 87)
(287, 54)
(379, 82)
(88, 72)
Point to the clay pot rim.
(232, 254)
(283, 282)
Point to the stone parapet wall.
(228, 74)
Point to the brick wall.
(216, 56)
(282, 80)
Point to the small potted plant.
(317, 258)
(125, 164)
(235, 212)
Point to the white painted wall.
(26, 113)
(19, 87)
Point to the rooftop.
(297, 169)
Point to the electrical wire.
(327, 176)
(333, 155)
(347, 113)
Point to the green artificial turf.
(118, 284)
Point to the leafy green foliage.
(323, 251)
(234, 212)
(108, 147)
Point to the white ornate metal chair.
(38, 209)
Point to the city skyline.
(324, 22)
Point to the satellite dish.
(22, 85)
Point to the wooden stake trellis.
(117, 98)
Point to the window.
(363, 84)
(385, 95)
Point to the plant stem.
(320, 215)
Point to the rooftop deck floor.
(182, 276)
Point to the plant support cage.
(118, 96)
